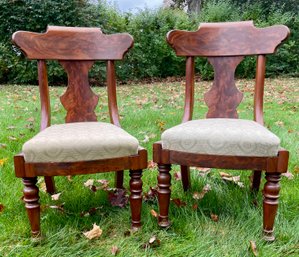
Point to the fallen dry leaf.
(89, 182)
(3, 145)
(114, 250)
(58, 207)
(55, 197)
(151, 165)
(94, 233)
(194, 206)
(288, 175)
(152, 243)
(91, 211)
(178, 175)
(253, 248)
(118, 198)
(214, 217)
(231, 178)
(69, 178)
(154, 213)
(11, 138)
(151, 195)
(199, 196)
(1, 207)
(178, 202)
(2, 161)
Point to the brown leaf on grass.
(12, 138)
(296, 169)
(11, 127)
(195, 206)
(1, 207)
(288, 175)
(279, 123)
(2, 161)
(95, 232)
(3, 145)
(214, 217)
(178, 175)
(89, 183)
(178, 202)
(90, 212)
(104, 184)
(114, 250)
(253, 248)
(152, 243)
(231, 178)
(199, 196)
(118, 198)
(154, 213)
(203, 171)
(57, 207)
(151, 165)
(151, 195)
(69, 178)
(161, 125)
(55, 197)
(30, 119)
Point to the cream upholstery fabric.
(221, 137)
(80, 141)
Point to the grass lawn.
(147, 110)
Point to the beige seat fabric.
(80, 141)
(221, 137)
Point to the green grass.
(145, 111)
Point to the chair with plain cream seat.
(222, 140)
(82, 145)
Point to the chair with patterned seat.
(82, 145)
(222, 140)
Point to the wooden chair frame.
(224, 43)
(76, 49)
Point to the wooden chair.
(222, 140)
(82, 145)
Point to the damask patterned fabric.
(80, 141)
(222, 137)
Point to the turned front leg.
(270, 204)
(31, 199)
(164, 192)
(136, 197)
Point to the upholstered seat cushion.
(221, 137)
(80, 141)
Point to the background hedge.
(151, 56)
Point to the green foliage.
(150, 56)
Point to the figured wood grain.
(227, 39)
(224, 97)
(73, 43)
(79, 100)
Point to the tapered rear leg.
(164, 183)
(270, 204)
(50, 185)
(185, 173)
(31, 200)
(119, 179)
(136, 197)
(256, 180)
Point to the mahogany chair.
(222, 140)
(82, 145)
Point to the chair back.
(76, 49)
(225, 45)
